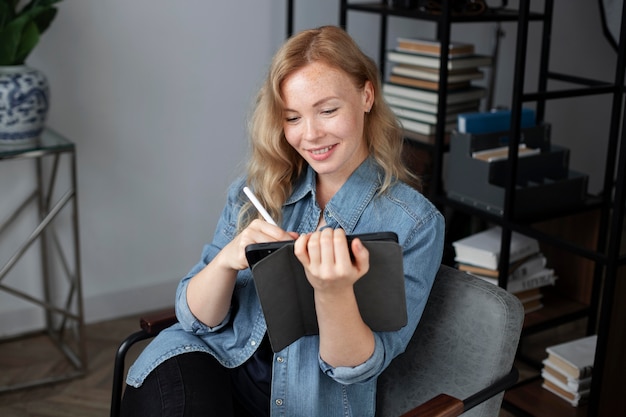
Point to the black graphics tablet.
(257, 251)
(287, 298)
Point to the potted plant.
(24, 91)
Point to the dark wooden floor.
(86, 396)
(89, 395)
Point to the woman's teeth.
(321, 151)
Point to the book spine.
(534, 265)
(539, 280)
(411, 93)
(526, 248)
(413, 59)
(487, 122)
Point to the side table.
(61, 298)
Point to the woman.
(326, 162)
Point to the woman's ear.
(368, 96)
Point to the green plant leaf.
(22, 31)
(7, 14)
(10, 39)
(44, 18)
(28, 41)
(10, 36)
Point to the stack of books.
(479, 255)
(567, 370)
(412, 87)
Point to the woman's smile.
(322, 153)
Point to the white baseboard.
(96, 308)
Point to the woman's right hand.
(233, 255)
(210, 291)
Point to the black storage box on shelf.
(544, 182)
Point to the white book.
(422, 127)
(547, 376)
(432, 74)
(471, 61)
(532, 265)
(430, 96)
(433, 46)
(422, 106)
(574, 399)
(539, 279)
(483, 248)
(420, 116)
(574, 358)
(518, 269)
(551, 371)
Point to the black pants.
(194, 384)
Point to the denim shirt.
(302, 383)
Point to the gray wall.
(155, 94)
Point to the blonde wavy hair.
(274, 165)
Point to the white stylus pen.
(258, 206)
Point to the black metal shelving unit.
(606, 256)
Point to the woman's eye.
(292, 119)
(329, 111)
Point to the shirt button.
(253, 343)
(280, 359)
(279, 402)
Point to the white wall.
(155, 95)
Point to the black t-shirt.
(253, 380)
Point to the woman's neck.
(325, 190)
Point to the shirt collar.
(348, 203)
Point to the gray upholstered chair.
(460, 358)
(466, 341)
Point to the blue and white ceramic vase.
(24, 103)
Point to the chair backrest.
(467, 338)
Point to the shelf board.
(504, 15)
(529, 397)
(591, 202)
(556, 310)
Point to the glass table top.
(49, 142)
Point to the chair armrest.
(442, 405)
(500, 385)
(155, 322)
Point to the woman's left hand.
(327, 262)
(345, 340)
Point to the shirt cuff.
(369, 369)
(188, 321)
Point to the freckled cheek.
(291, 135)
(344, 128)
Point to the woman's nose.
(311, 129)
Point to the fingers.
(326, 253)
(300, 249)
(258, 231)
(322, 248)
(262, 231)
(326, 260)
(361, 256)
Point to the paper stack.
(567, 370)
(413, 84)
(479, 255)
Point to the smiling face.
(324, 116)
